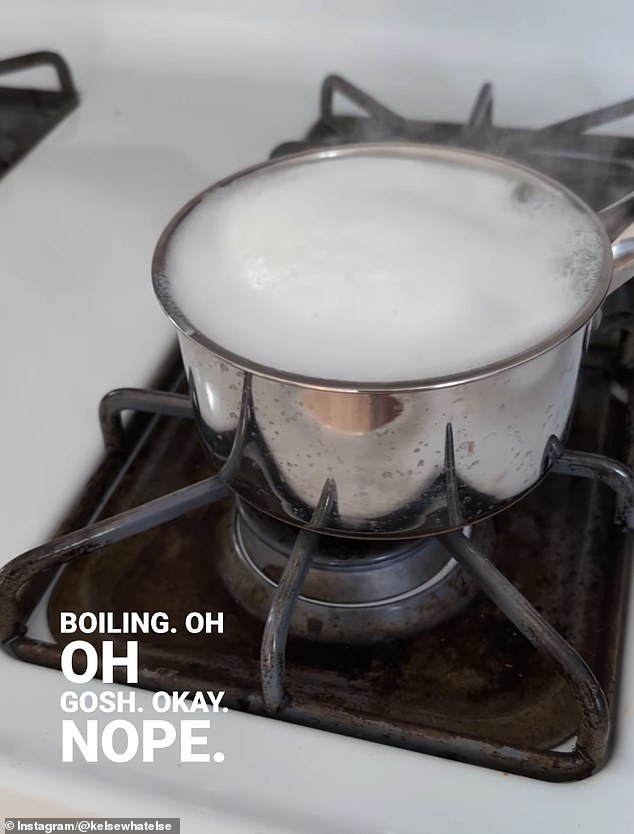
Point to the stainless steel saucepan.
(404, 460)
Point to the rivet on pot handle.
(617, 220)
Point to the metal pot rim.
(162, 283)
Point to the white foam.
(378, 269)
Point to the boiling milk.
(379, 269)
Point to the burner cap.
(355, 591)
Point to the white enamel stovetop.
(175, 95)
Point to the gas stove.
(423, 644)
(390, 642)
(392, 695)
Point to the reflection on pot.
(385, 450)
(352, 412)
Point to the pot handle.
(617, 218)
(622, 262)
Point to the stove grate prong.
(481, 116)
(115, 402)
(607, 471)
(594, 715)
(273, 647)
(336, 84)
(19, 571)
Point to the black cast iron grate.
(28, 115)
(599, 168)
(473, 688)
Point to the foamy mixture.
(380, 269)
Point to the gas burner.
(354, 591)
